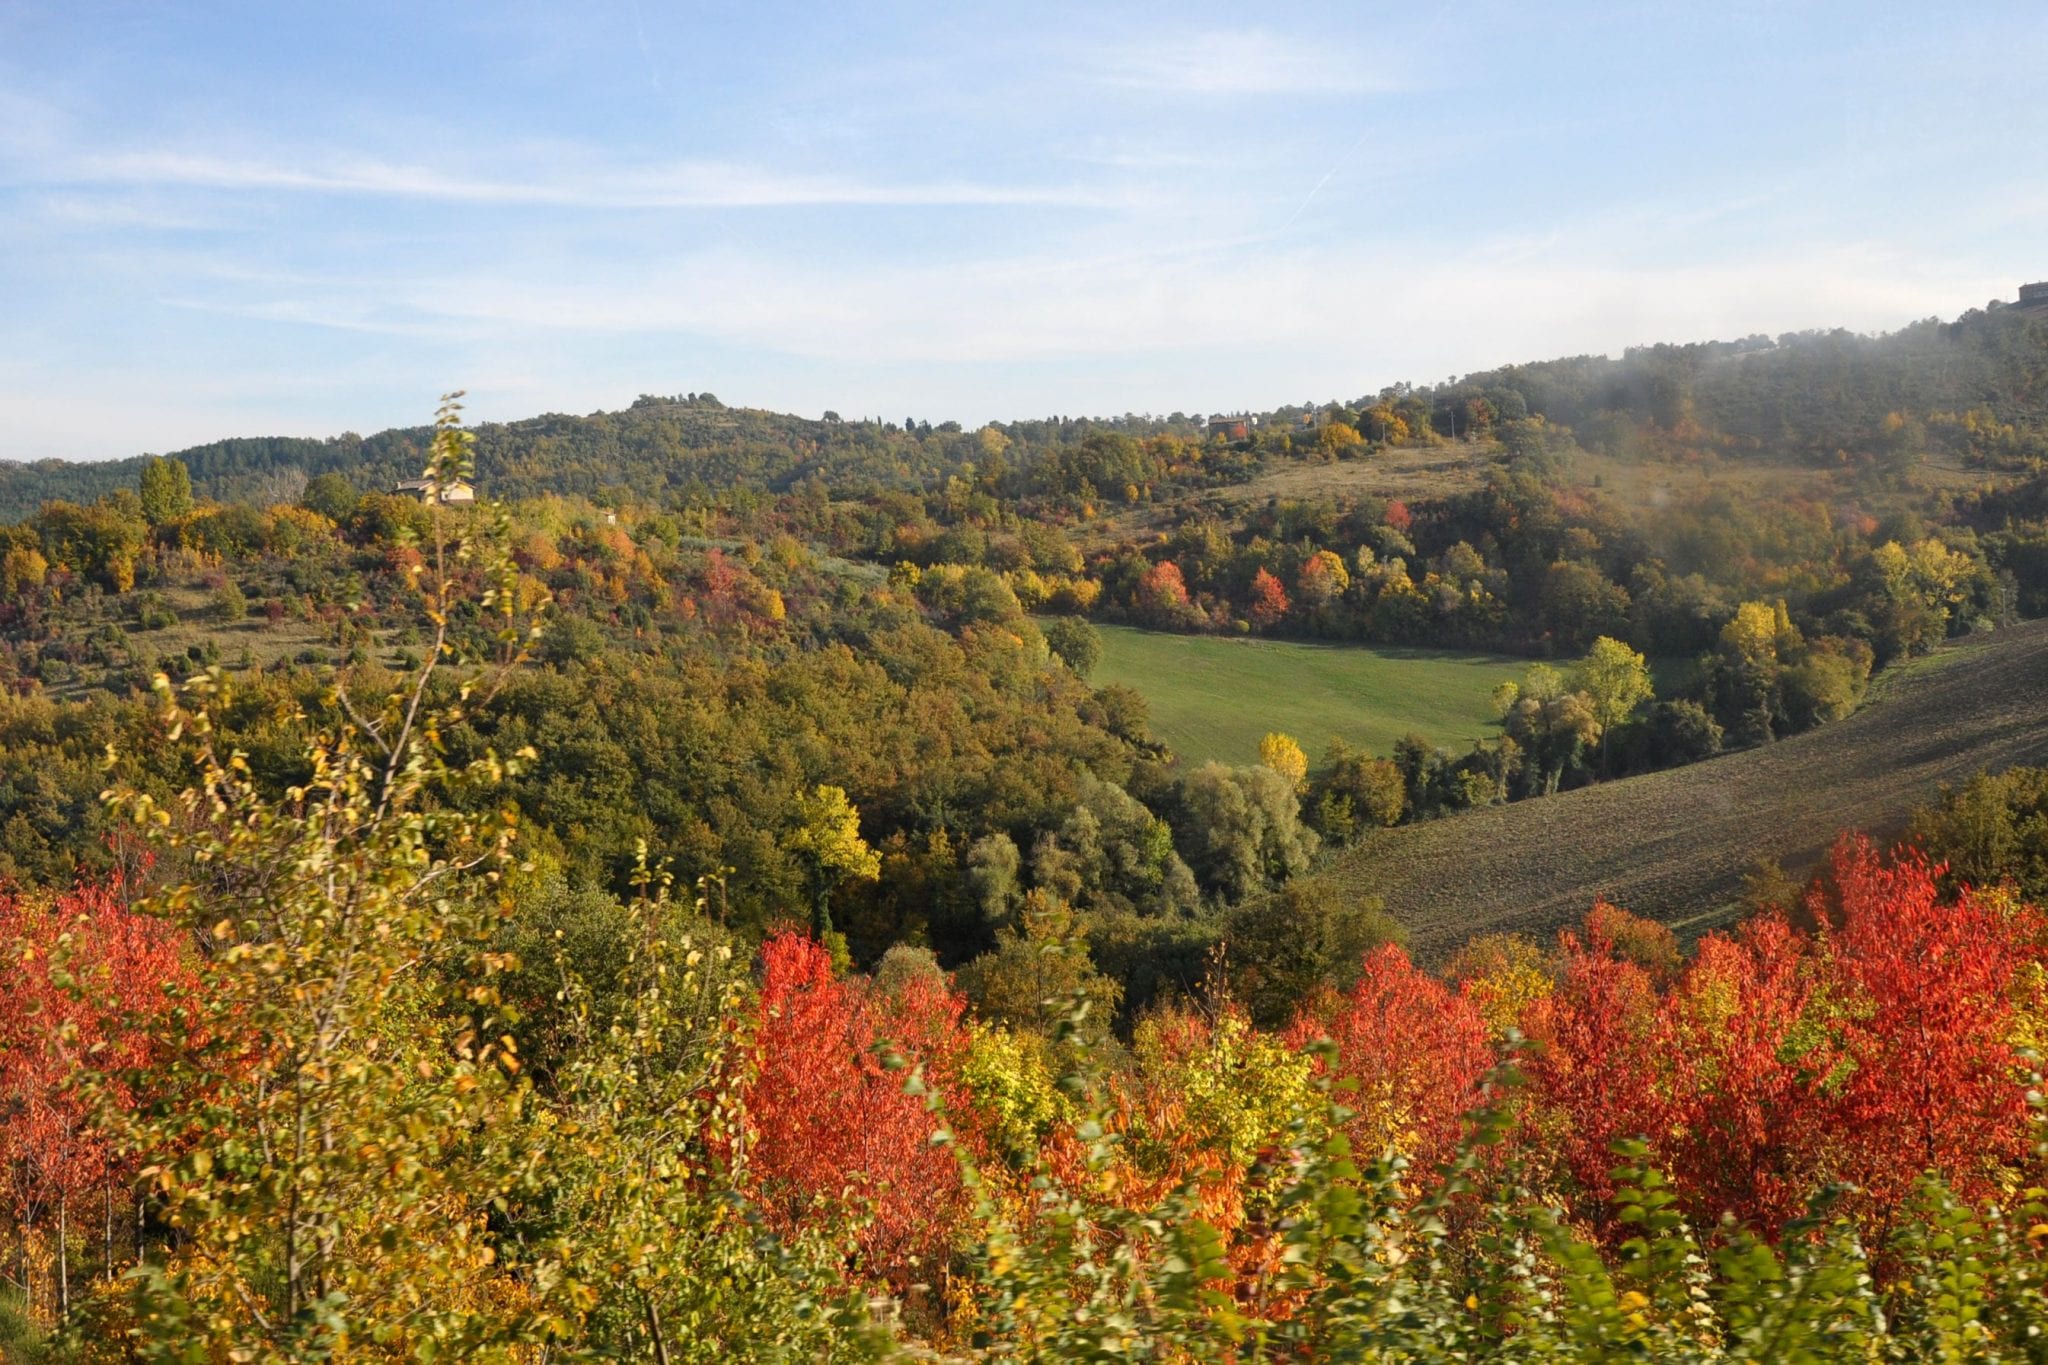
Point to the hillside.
(660, 448)
(1973, 391)
(1675, 845)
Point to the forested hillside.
(1975, 388)
(662, 448)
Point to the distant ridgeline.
(658, 449)
(1979, 384)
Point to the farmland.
(1215, 698)
(1676, 845)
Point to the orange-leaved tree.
(91, 994)
(1413, 1051)
(835, 1134)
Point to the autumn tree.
(90, 1004)
(1749, 1114)
(1162, 595)
(341, 1140)
(1927, 984)
(1414, 1053)
(827, 837)
(1615, 680)
(1502, 975)
(1322, 580)
(1280, 753)
(1267, 606)
(1597, 1064)
(646, 1191)
(834, 1131)
(1553, 724)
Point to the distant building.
(457, 491)
(2034, 295)
(1238, 428)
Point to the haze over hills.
(1810, 397)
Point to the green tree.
(166, 490)
(332, 496)
(1031, 975)
(1992, 829)
(1243, 833)
(1355, 792)
(1280, 949)
(1078, 644)
(229, 604)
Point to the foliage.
(1243, 832)
(1284, 756)
(833, 1136)
(354, 1113)
(1281, 949)
(1992, 828)
(408, 1052)
(1078, 644)
(827, 836)
(166, 491)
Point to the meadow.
(1215, 698)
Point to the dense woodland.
(481, 931)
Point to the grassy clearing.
(1215, 698)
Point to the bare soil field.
(1676, 845)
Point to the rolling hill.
(1675, 845)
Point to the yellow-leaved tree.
(827, 837)
(349, 1111)
(1280, 753)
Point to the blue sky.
(244, 219)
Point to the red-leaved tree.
(1596, 1058)
(1746, 1064)
(1934, 1082)
(1268, 604)
(1415, 1051)
(834, 1131)
(88, 990)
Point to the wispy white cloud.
(975, 339)
(118, 210)
(1524, 298)
(1236, 62)
(680, 185)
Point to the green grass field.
(1216, 698)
